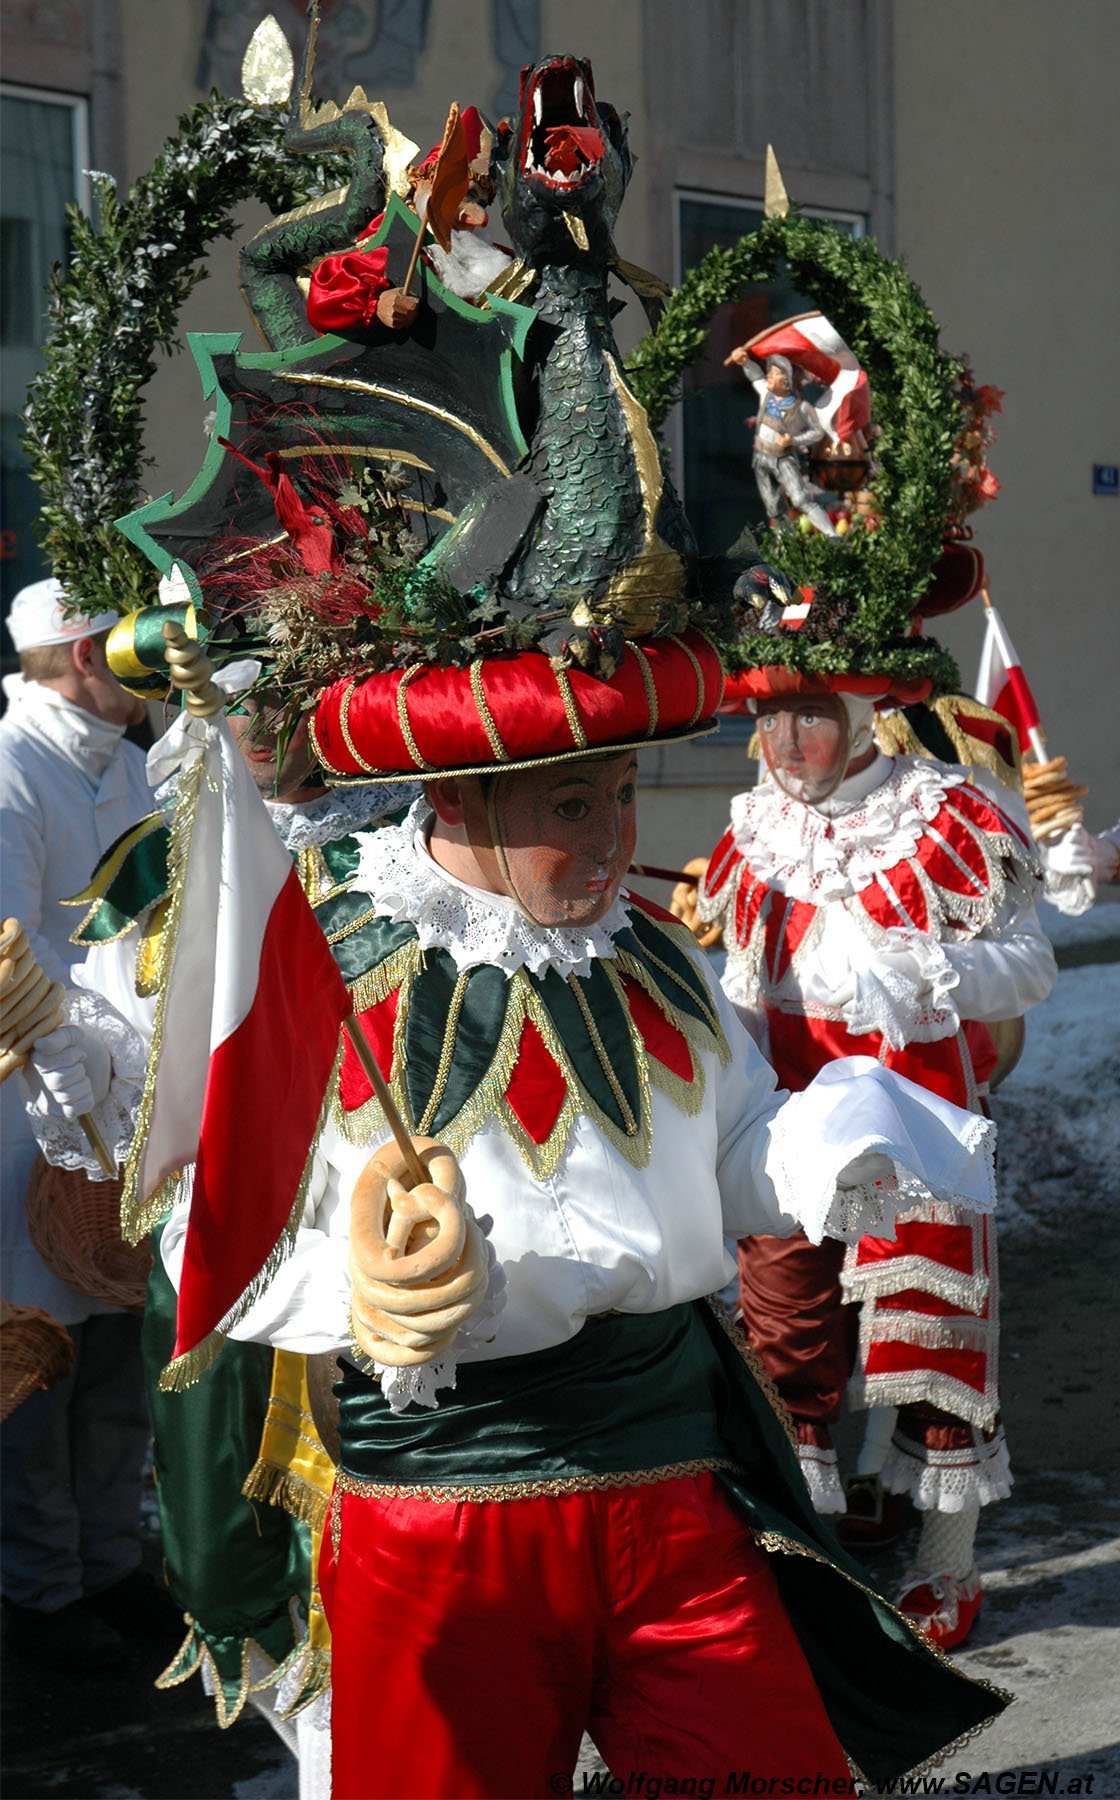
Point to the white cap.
(36, 617)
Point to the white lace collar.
(335, 814)
(801, 851)
(397, 872)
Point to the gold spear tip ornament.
(775, 202)
(268, 68)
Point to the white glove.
(75, 1069)
(1105, 854)
(1071, 854)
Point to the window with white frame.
(712, 437)
(43, 145)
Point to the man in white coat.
(72, 1458)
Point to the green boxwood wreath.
(115, 305)
(120, 298)
(881, 315)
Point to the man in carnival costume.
(884, 906)
(556, 1032)
(563, 1500)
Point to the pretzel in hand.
(418, 1263)
(1051, 798)
(30, 1003)
(683, 903)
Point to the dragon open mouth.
(562, 142)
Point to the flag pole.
(364, 1053)
(414, 259)
(1035, 734)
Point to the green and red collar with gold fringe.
(529, 1050)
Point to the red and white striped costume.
(892, 920)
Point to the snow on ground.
(1058, 1112)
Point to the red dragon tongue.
(568, 148)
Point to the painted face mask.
(806, 744)
(565, 836)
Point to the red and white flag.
(817, 347)
(1002, 685)
(246, 1038)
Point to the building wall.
(978, 141)
(1008, 169)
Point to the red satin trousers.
(473, 1643)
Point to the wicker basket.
(75, 1225)
(35, 1352)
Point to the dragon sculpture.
(535, 479)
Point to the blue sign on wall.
(1106, 478)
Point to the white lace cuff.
(63, 1141)
(419, 1385)
(950, 1481)
(855, 1109)
(904, 993)
(821, 1471)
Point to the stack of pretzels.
(418, 1262)
(30, 1004)
(1052, 798)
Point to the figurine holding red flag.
(451, 190)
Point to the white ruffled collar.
(397, 872)
(812, 855)
(336, 814)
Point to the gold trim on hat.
(571, 710)
(551, 758)
(482, 706)
(651, 691)
(411, 745)
(344, 726)
(699, 674)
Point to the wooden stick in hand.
(388, 1105)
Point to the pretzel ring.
(401, 1236)
(398, 1356)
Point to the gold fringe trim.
(284, 1488)
(630, 1123)
(183, 1371)
(150, 950)
(447, 1051)
(141, 1213)
(897, 737)
(488, 1101)
(688, 1096)
(453, 1493)
(386, 977)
